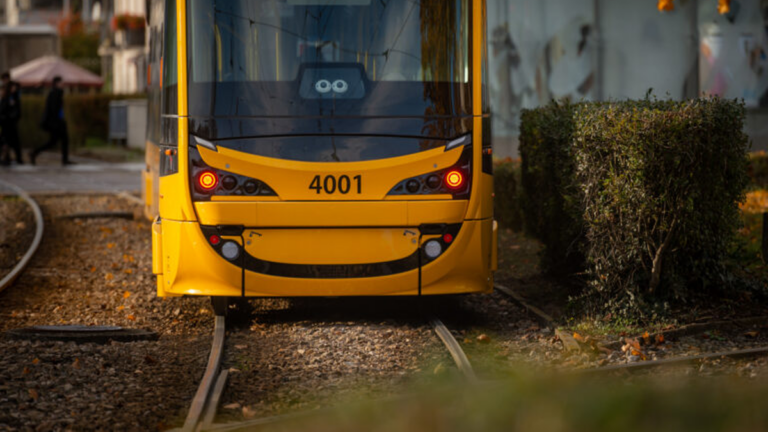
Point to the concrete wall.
(538, 51)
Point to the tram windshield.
(260, 58)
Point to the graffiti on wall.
(733, 48)
(528, 73)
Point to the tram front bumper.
(320, 262)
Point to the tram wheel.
(220, 305)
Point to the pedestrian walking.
(54, 123)
(10, 113)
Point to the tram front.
(325, 148)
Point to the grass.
(559, 403)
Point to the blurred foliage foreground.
(559, 404)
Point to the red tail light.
(207, 180)
(454, 179)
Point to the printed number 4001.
(330, 184)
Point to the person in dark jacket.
(10, 113)
(54, 123)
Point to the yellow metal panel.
(465, 266)
(434, 212)
(181, 49)
(331, 214)
(170, 248)
(196, 268)
(291, 179)
(331, 246)
(157, 247)
(173, 200)
(181, 185)
(304, 214)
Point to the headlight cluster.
(207, 181)
(455, 180)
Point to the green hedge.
(87, 117)
(758, 170)
(648, 191)
(506, 202)
(550, 203)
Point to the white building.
(123, 51)
(25, 30)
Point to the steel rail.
(455, 349)
(128, 197)
(209, 391)
(22, 264)
(674, 361)
(545, 319)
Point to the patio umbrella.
(41, 71)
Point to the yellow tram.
(319, 148)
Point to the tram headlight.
(433, 249)
(230, 250)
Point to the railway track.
(9, 278)
(205, 403)
(203, 409)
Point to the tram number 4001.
(331, 184)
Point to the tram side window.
(169, 61)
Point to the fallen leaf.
(110, 245)
(36, 361)
(659, 339)
(483, 338)
(647, 338)
(106, 230)
(241, 346)
(249, 413)
(93, 269)
(34, 394)
(126, 294)
(26, 371)
(109, 276)
(76, 363)
(121, 307)
(131, 317)
(128, 258)
(633, 343)
(752, 334)
(579, 338)
(234, 405)
(128, 271)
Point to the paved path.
(84, 177)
